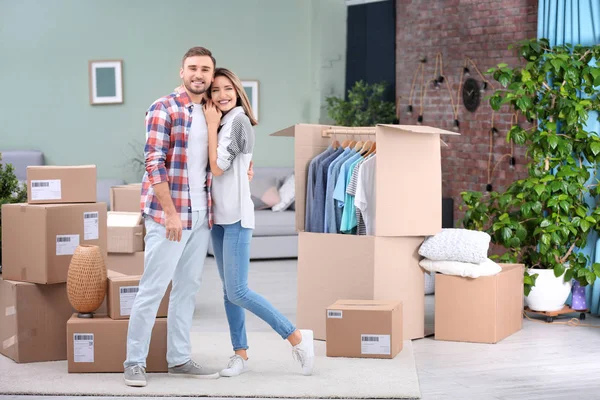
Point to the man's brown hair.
(198, 51)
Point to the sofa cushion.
(269, 223)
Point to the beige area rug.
(274, 373)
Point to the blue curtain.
(576, 22)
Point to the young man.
(178, 218)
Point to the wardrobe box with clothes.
(480, 310)
(364, 329)
(49, 184)
(408, 203)
(33, 321)
(99, 344)
(126, 198)
(126, 263)
(39, 240)
(122, 290)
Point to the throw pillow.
(469, 270)
(287, 194)
(462, 245)
(264, 193)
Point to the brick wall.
(481, 30)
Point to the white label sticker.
(375, 344)
(90, 225)
(127, 294)
(66, 244)
(83, 347)
(334, 314)
(46, 189)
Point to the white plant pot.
(549, 292)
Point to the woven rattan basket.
(86, 280)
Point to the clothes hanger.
(334, 143)
(372, 149)
(359, 145)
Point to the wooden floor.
(543, 361)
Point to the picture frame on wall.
(106, 81)
(251, 89)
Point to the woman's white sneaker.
(236, 366)
(304, 352)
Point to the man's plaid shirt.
(168, 121)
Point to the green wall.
(295, 48)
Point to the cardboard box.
(482, 310)
(364, 329)
(33, 321)
(122, 290)
(332, 267)
(49, 184)
(409, 207)
(126, 198)
(126, 263)
(99, 344)
(38, 241)
(125, 232)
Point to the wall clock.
(471, 94)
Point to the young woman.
(230, 146)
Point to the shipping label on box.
(364, 329)
(48, 184)
(83, 347)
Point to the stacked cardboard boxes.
(380, 267)
(99, 344)
(126, 252)
(38, 241)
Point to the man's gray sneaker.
(192, 369)
(135, 375)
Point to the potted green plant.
(366, 106)
(11, 191)
(542, 219)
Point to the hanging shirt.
(339, 193)
(334, 170)
(311, 181)
(197, 158)
(318, 211)
(361, 229)
(365, 193)
(349, 221)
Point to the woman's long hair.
(242, 98)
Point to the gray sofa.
(275, 233)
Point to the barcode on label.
(129, 289)
(40, 184)
(90, 215)
(63, 239)
(84, 337)
(334, 314)
(370, 339)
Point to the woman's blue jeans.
(231, 245)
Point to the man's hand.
(173, 227)
(212, 113)
(251, 171)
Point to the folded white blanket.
(462, 245)
(469, 270)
